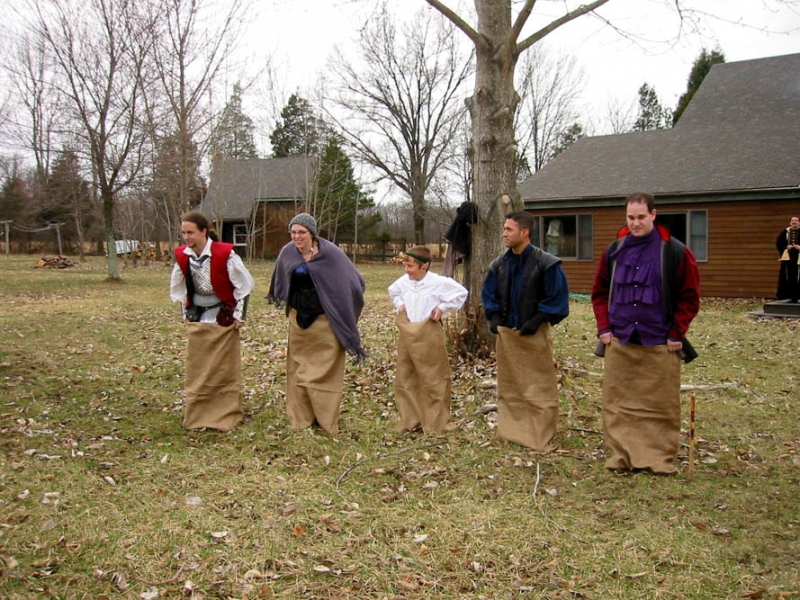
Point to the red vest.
(219, 270)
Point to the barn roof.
(237, 184)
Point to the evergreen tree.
(700, 69)
(523, 167)
(69, 202)
(299, 132)
(166, 182)
(651, 114)
(14, 197)
(337, 196)
(233, 134)
(170, 198)
(568, 136)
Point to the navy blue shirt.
(554, 304)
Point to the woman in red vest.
(212, 285)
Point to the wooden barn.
(252, 201)
(726, 180)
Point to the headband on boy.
(424, 261)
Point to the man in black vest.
(524, 293)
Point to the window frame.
(584, 234)
(236, 232)
(696, 241)
(702, 237)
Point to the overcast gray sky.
(300, 35)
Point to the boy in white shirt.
(422, 377)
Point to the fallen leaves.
(9, 562)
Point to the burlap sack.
(527, 392)
(422, 378)
(314, 375)
(641, 407)
(213, 377)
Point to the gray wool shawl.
(339, 285)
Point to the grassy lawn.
(104, 495)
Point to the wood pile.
(54, 262)
(146, 251)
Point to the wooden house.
(252, 201)
(726, 180)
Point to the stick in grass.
(691, 437)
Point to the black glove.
(494, 323)
(531, 326)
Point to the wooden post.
(691, 437)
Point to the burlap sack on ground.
(213, 377)
(422, 378)
(314, 375)
(641, 407)
(527, 392)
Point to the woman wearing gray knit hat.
(324, 295)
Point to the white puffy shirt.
(421, 297)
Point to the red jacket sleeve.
(688, 296)
(600, 291)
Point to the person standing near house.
(524, 293)
(212, 285)
(324, 295)
(788, 244)
(422, 378)
(645, 295)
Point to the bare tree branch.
(553, 25)
(403, 107)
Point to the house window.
(566, 236)
(691, 228)
(698, 234)
(240, 235)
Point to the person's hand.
(673, 346)
(238, 324)
(531, 326)
(436, 314)
(402, 309)
(494, 323)
(606, 337)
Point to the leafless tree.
(189, 55)
(619, 117)
(549, 84)
(403, 106)
(99, 48)
(33, 79)
(494, 150)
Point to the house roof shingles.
(740, 132)
(237, 184)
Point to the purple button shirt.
(636, 301)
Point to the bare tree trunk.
(108, 218)
(493, 152)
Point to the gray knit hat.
(305, 220)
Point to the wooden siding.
(272, 227)
(742, 258)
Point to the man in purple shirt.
(645, 295)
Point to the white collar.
(206, 250)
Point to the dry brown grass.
(102, 494)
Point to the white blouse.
(421, 297)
